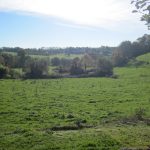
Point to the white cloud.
(99, 13)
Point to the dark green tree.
(21, 55)
(122, 53)
(3, 71)
(104, 67)
(2, 60)
(9, 60)
(36, 68)
(76, 68)
(55, 61)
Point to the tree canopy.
(143, 7)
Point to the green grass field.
(145, 57)
(71, 56)
(106, 108)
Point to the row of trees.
(103, 50)
(90, 64)
(30, 67)
(128, 50)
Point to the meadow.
(77, 113)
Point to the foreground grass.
(30, 108)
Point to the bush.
(3, 72)
(37, 69)
(55, 61)
(15, 74)
(76, 70)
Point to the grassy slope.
(145, 58)
(28, 109)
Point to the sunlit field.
(74, 75)
(77, 113)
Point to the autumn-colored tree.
(86, 61)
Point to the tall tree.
(3, 71)
(104, 67)
(2, 60)
(21, 57)
(122, 53)
(37, 68)
(86, 61)
(76, 67)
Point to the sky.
(64, 23)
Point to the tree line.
(103, 50)
(90, 64)
(128, 50)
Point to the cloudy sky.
(62, 23)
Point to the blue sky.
(63, 23)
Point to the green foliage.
(127, 50)
(76, 68)
(90, 62)
(2, 62)
(8, 60)
(3, 71)
(55, 61)
(122, 54)
(104, 67)
(21, 56)
(37, 68)
(68, 52)
(143, 7)
(15, 73)
(87, 61)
